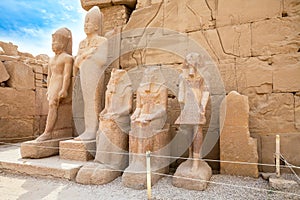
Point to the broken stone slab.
(96, 174)
(21, 75)
(4, 76)
(77, 150)
(41, 149)
(52, 167)
(281, 184)
(192, 178)
(236, 145)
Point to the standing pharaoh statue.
(90, 61)
(193, 96)
(112, 136)
(59, 79)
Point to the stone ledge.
(11, 161)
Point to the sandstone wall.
(23, 103)
(255, 45)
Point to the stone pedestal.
(96, 174)
(193, 178)
(77, 150)
(34, 149)
(135, 175)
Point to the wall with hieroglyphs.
(255, 44)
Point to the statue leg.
(197, 144)
(89, 86)
(51, 120)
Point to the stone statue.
(59, 78)
(112, 135)
(149, 131)
(193, 96)
(90, 60)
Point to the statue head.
(93, 21)
(62, 41)
(192, 62)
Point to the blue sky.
(30, 23)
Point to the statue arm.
(66, 77)
(181, 90)
(204, 100)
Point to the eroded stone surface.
(266, 39)
(4, 76)
(236, 145)
(247, 71)
(21, 75)
(239, 11)
(185, 172)
(77, 150)
(42, 149)
(11, 161)
(263, 113)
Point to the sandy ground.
(224, 187)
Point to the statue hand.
(62, 94)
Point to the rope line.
(160, 156)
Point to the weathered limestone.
(88, 4)
(149, 131)
(115, 16)
(9, 48)
(239, 11)
(297, 111)
(39, 149)
(4, 76)
(146, 3)
(286, 72)
(264, 109)
(247, 71)
(266, 39)
(185, 172)
(15, 103)
(77, 150)
(53, 167)
(236, 145)
(193, 96)
(21, 75)
(184, 15)
(142, 18)
(112, 137)
(90, 60)
(17, 110)
(236, 40)
(291, 7)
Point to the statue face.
(90, 26)
(57, 43)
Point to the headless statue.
(115, 121)
(90, 60)
(59, 78)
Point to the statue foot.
(86, 136)
(45, 136)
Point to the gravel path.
(228, 187)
